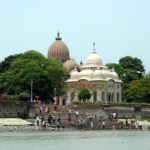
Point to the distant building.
(104, 84)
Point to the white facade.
(104, 84)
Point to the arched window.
(103, 95)
(118, 97)
(112, 97)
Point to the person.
(42, 119)
(126, 122)
(44, 125)
(69, 112)
(92, 122)
(77, 113)
(103, 125)
(58, 122)
(100, 123)
(69, 119)
(114, 115)
(55, 108)
(37, 120)
(114, 127)
(49, 119)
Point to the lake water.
(76, 140)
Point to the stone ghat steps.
(63, 111)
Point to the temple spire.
(58, 36)
(94, 50)
(81, 63)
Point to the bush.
(24, 96)
(84, 94)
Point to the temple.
(103, 83)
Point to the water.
(76, 140)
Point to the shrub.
(24, 96)
(84, 94)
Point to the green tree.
(129, 69)
(133, 65)
(138, 90)
(46, 74)
(84, 94)
(5, 65)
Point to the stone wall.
(121, 110)
(9, 109)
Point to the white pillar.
(91, 98)
(106, 97)
(99, 96)
(55, 100)
(68, 97)
(60, 100)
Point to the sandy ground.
(13, 121)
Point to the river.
(76, 140)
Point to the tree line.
(47, 76)
(19, 72)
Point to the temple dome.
(86, 73)
(98, 74)
(107, 74)
(69, 65)
(74, 74)
(115, 75)
(58, 50)
(94, 58)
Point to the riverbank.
(21, 125)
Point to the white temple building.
(104, 84)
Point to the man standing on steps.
(58, 122)
(103, 124)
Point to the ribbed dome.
(94, 58)
(69, 65)
(58, 50)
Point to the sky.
(119, 28)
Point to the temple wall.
(10, 109)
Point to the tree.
(138, 90)
(118, 68)
(133, 65)
(129, 69)
(84, 94)
(5, 65)
(46, 74)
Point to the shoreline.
(34, 128)
(22, 125)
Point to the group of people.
(83, 120)
(51, 119)
(133, 124)
(54, 118)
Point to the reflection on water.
(73, 140)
